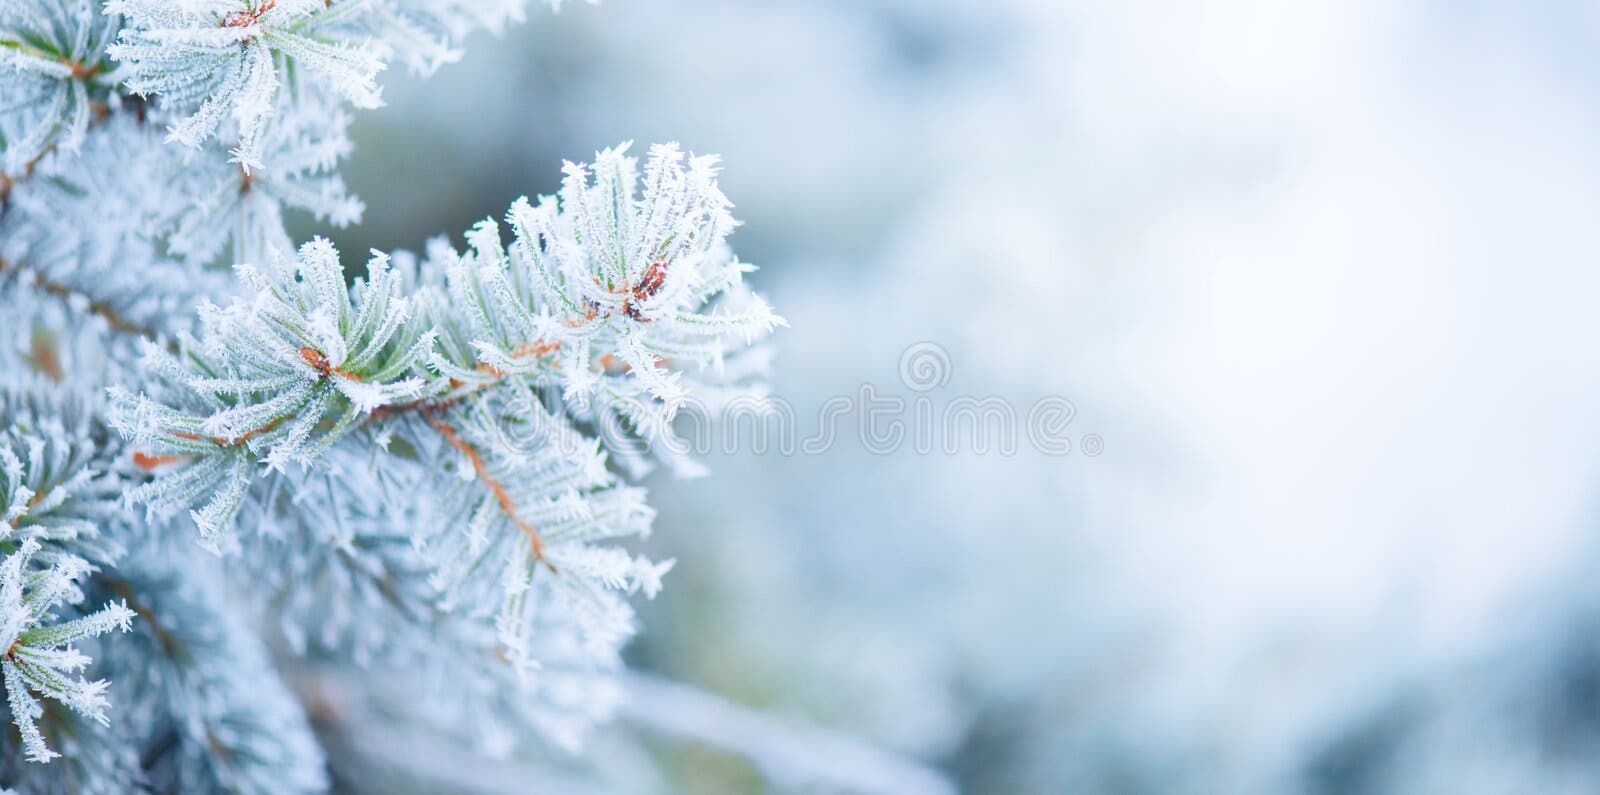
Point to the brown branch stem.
(499, 490)
(534, 350)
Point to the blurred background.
(1317, 278)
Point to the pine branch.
(38, 661)
(58, 83)
(209, 59)
(470, 349)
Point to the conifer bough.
(422, 471)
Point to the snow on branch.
(218, 58)
(39, 660)
(476, 377)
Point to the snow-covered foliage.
(223, 204)
(485, 372)
(56, 55)
(216, 60)
(421, 468)
(40, 660)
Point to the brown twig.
(9, 181)
(47, 358)
(81, 71)
(244, 19)
(314, 357)
(150, 463)
(534, 350)
(225, 442)
(319, 360)
(33, 502)
(499, 490)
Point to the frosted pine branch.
(39, 661)
(56, 53)
(59, 476)
(224, 204)
(489, 365)
(424, 472)
(87, 228)
(228, 58)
